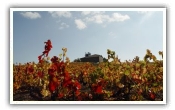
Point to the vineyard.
(58, 79)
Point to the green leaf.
(146, 88)
(127, 66)
(155, 84)
(148, 76)
(145, 75)
(161, 69)
(137, 72)
(154, 77)
(106, 78)
(132, 69)
(127, 72)
(137, 65)
(117, 80)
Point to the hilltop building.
(95, 58)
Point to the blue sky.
(128, 33)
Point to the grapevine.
(57, 79)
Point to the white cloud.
(65, 14)
(85, 12)
(63, 25)
(118, 17)
(101, 18)
(31, 15)
(97, 18)
(80, 24)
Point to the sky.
(128, 33)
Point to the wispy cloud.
(31, 15)
(65, 14)
(101, 18)
(58, 21)
(112, 34)
(63, 25)
(146, 15)
(80, 24)
(92, 12)
(142, 12)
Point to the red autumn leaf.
(49, 43)
(101, 82)
(48, 47)
(60, 95)
(68, 84)
(39, 57)
(77, 92)
(66, 76)
(152, 96)
(30, 69)
(54, 60)
(40, 61)
(94, 86)
(40, 74)
(52, 86)
(79, 98)
(77, 85)
(46, 52)
(51, 72)
(53, 67)
(61, 67)
(99, 90)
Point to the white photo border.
(88, 9)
